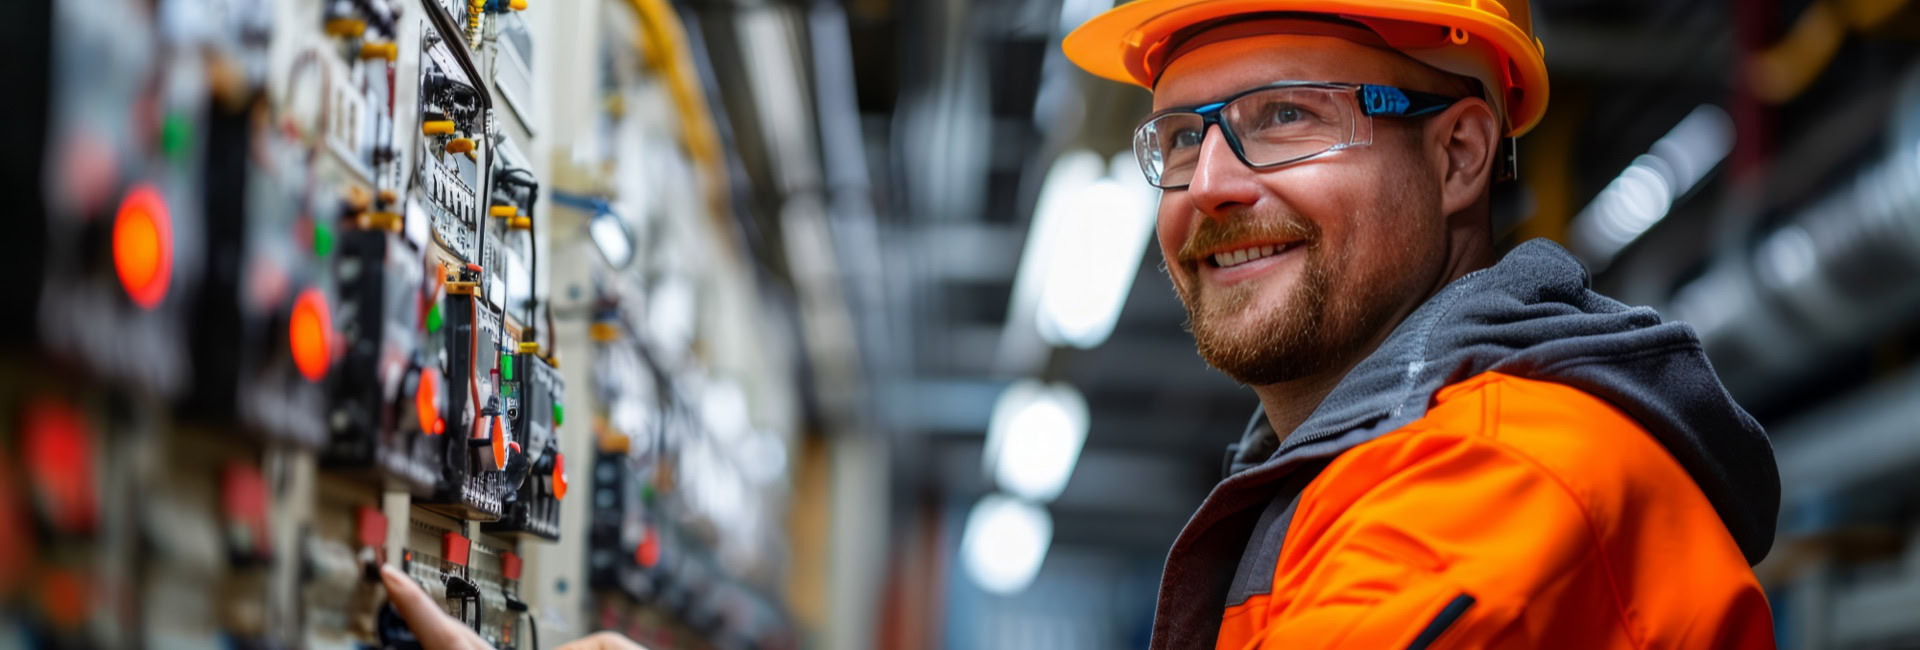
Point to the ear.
(1465, 137)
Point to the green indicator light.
(174, 134)
(434, 321)
(322, 239)
(506, 367)
(559, 414)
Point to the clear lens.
(1169, 147)
(1286, 124)
(1270, 127)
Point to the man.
(1452, 450)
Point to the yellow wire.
(1783, 71)
(662, 43)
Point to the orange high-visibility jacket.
(1576, 485)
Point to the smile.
(1237, 257)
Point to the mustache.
(1214, 234)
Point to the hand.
(438, 631)
(430, 624)
(603, 641)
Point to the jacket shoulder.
(1555, 510)
(1595, 449)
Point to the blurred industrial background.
(840, 317)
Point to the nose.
(1221, 183)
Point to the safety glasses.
(1273, 125)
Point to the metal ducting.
(1841, 272)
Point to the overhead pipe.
(1842, 271)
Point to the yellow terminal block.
(387, 221)
(517, 5)
(520, 223)
(603, 332)
(357, 198)
(613, 443)
(459, 145)
(346, 27)
(388, 51)
(529, 347)
(463, 288)
(502, 211)
(437, 127)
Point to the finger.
(603, 641)
(434, 629)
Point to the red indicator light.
(310, 334)
(57, 445)
(648, 553)
(143, 246)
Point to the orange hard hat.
(1488, 40)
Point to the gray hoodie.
(1533, 315)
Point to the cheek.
(1171, 226)
(1356, 206)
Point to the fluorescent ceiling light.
(1075, 12)
(1004, 543)
(1034, 439)
(1090, 229)
(610, 235)
(1646, 189)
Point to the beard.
(1324, 323)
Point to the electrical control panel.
(478, 443)
(388, 399)
(453, 142)
(288, 318)
(262, 325)
(539, 410)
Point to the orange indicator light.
(426, 403)
(310, 334)
(143, 246)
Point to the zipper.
(1442, 621)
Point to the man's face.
(1358, 235)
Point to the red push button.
(372, 527)
(454, 548)
(510, 565)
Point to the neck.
(1288, 403)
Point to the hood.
(1535, 315)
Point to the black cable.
(523, 178)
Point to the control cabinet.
(286, 318)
